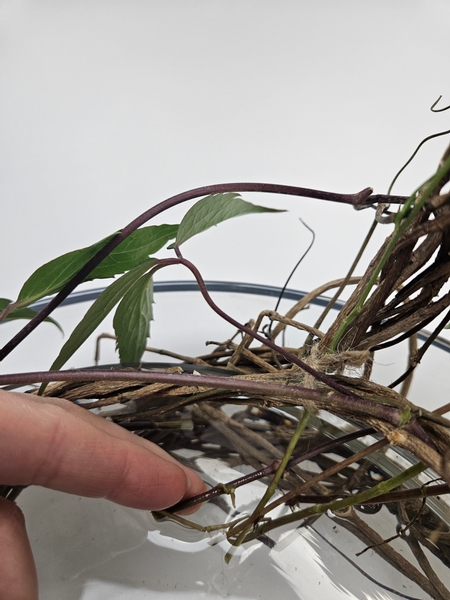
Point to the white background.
(108, 107)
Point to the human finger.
(197, 484)
(48, 445)
(18, 579)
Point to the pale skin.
(53, 443)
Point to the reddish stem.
(357, 200)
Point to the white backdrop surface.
(108, 107)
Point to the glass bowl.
(89, 549)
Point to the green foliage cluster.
(132, 292)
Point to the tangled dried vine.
(402, 291)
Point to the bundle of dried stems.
(402, 291)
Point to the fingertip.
(150, 482)
(195, 486)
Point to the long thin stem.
(297, 264)
(357, 200)
(399, 496)
(322, 398)
(430, 137)
(329, 381)
(270, 469)
(292, 495)
(416, 359)
(272, 487)
(381, 488)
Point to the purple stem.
(264, 388)
(270, 469)
(413, 427)
(329, 381)
(357, 200)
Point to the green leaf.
(137, 247)
(23, 313)
(98, 311)
(212, 210)
(132, 320)
(53, 276)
